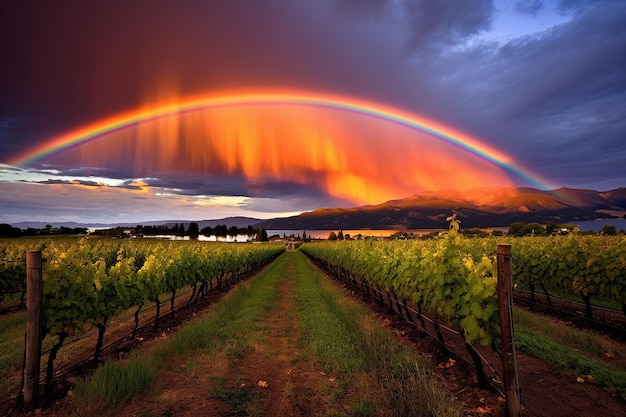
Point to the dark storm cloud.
(552, 100)
(72, 63)
(444, 23)
(189, 186)
(85, 183)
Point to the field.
(290, 342)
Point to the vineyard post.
(505, 304)
(34, 291)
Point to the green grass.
(339, 335)
(348, 340)
(588, 343)
(228, 327)
(12, 328)
(12, 333)
(557, 345)
(116, 382)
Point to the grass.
(227, 327)
(588, 343)
(338, 335)
(116, 382)
(347, 339)
(244, 398)
(570, 349)
(12, 328)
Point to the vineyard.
(454, 277)
(88, 282)
(448, 283)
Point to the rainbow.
(133, 118)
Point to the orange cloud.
(349, 155)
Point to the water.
(323, 234)
(597, 225)
(212, 238)
(593, 225)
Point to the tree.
(609, 230)
(262, 235)
(340, 235)
(220, 230)
(516, 229)
(332, 236)
(194, 230)
(6, 230)
(304, 235)
(551, 228)
(534, 229)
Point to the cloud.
(435, 25)
(73, 182)
(553, 100)
(530, 7)
(63, 202)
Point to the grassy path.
(287, 342)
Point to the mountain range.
(475, 208)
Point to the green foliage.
(585, 265)
(87, 281)
(455, 277)
(449, 276)
(609, 230)
(12, 268)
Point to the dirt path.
(271, 375)
(271, 378)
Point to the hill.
(485, 207)
(475, 208)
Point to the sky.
(153, 110)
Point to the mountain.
(475, 208)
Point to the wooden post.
(34, 296)
(505, 304)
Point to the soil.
(277, 379)
(546, 391)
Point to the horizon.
(555, 193)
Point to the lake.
(593, 225)
(323, 234)
(597, 225)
